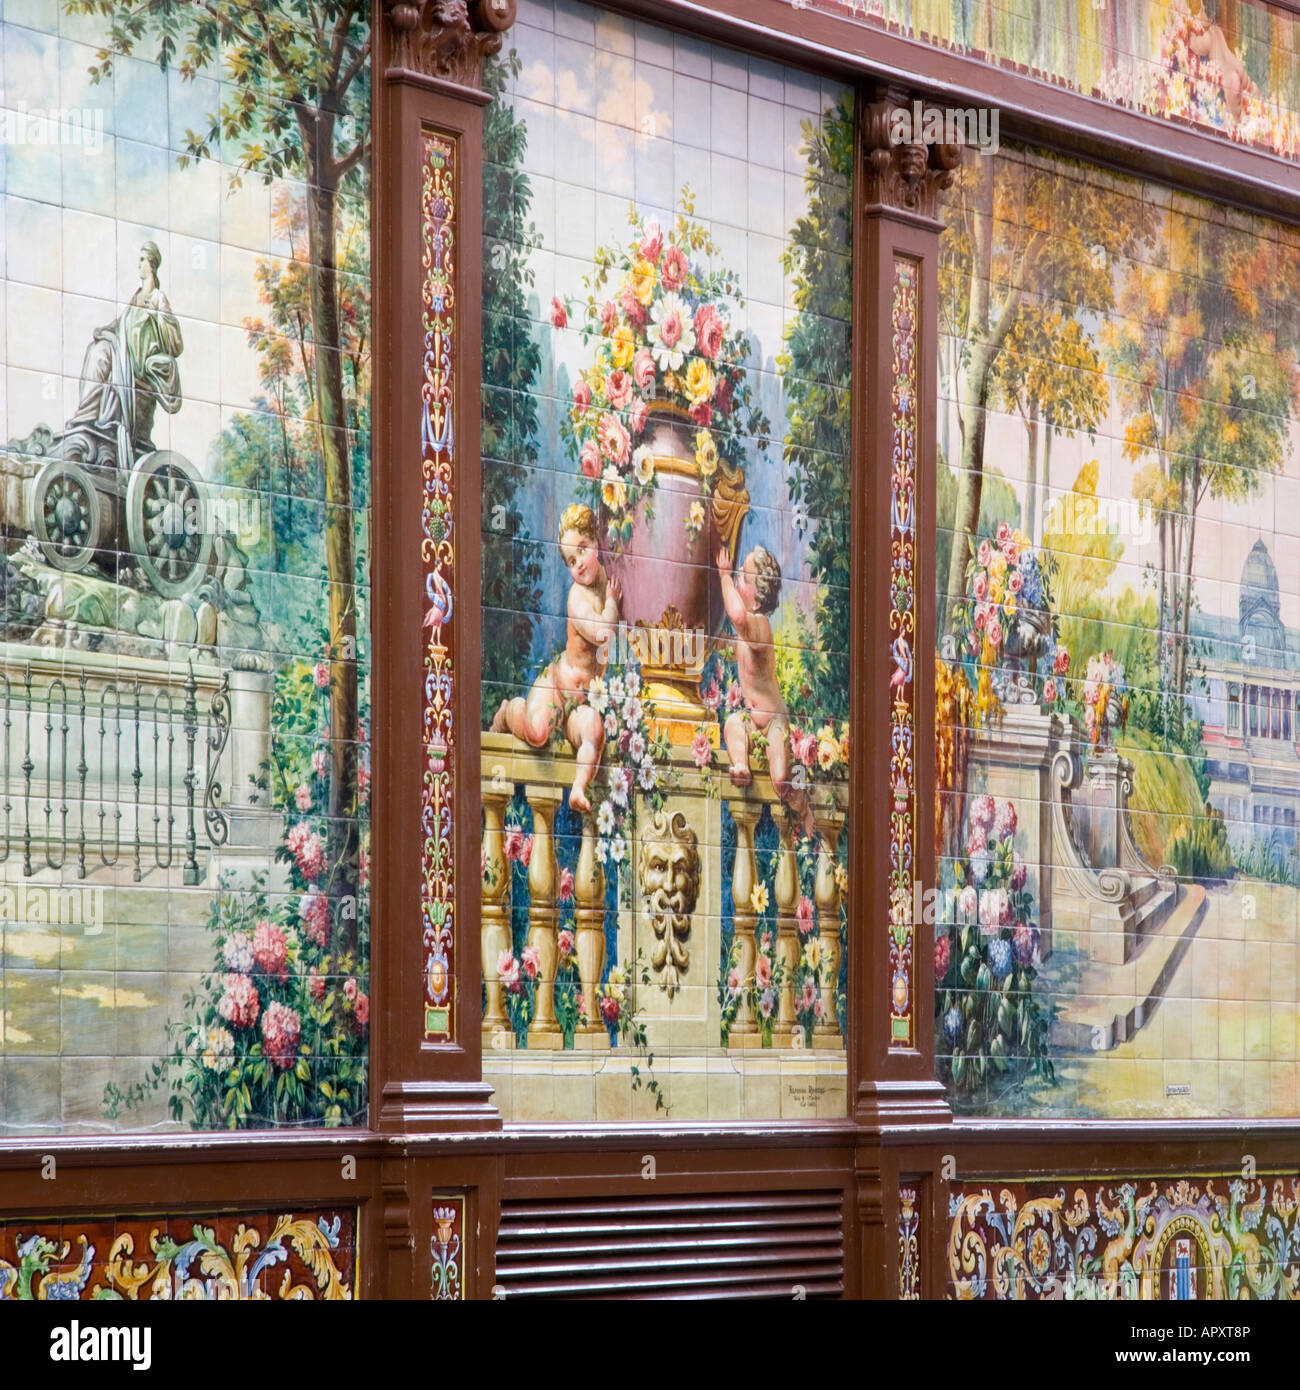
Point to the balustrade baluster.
(826, 1033)
(137, 776)
(744, 1031)
(494, 912)
(788, 947)
(543, 876)
(28, 768)
(589, 921)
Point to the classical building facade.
(527, 771)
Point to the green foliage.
(816, 365)
(1199, 848)
(511, 565)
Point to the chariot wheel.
(67, 515)
(167, 522)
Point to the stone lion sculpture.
(669, 871)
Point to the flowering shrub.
(984, 961)
(661, 332)
(278, 1031)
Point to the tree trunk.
(970, 478)
(342, 839)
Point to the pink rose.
(734, 982)
(240, 1003)
(637, 415)
(1049, 690)
(994, 632)
(307, 849)
(321, 675)
(1004, 823)
(350, 988)
(526, 850)
(701, 749)
(652, 241)
(674, 271)
(709, 329)
(633, 309)
(643, 369)
(619, 389)
(671, 328)
(303, 797)
(981, 587)
(514, 842)
(582, 394)
(559, 314)
(314, 909)
(508, 969)
(985, 554)
(590, 460)
(701, 413)
(981, 618)
(1004, 534)
(608, 317)
(363, 1009)
(614, 440)
(565, 942)
(1012, 551)
(1062, 663)
(763, 971)
(566, 884)
(735, 696)
(316, 985)
(712, 696)
(319, 762)
(532, 959)
(280, 1032)
(1016, 582)
(804, 915)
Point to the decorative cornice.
(447, 39)
(905, 175)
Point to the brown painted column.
(891, 822)
(428, 117)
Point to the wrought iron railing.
(96, 772)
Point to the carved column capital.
(905, 170)
(447, 39)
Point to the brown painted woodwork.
(427, 59)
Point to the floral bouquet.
(661, 328)
(984, 960)
(1005, 621)
(1105, 698)
(637, 759)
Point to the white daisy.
(671, 336)
(597, 696)
(605, 818)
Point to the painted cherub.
(560, 692)
(1208, 41)
(749, 600)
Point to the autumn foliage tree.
(294, 104)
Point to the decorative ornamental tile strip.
(447, 1246)
(909, 1245)
(902, 618)
(241, 1256)
(437, 550)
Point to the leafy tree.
(1007, 255)
(1207, 390)
(512, 567)
(294, 104)
(817, 367)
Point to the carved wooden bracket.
(906, 170)
(447, 39)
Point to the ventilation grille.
(733, 1245)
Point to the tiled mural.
(208, 1255)
(665, 572)
(1180, 1238)
(1115, 931)
(1223, 65)
(184, 837)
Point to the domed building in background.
(1249, 710)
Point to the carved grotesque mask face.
(668, 878)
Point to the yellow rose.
(828, 752)
(841, 878)
(697, 513)
(758, 897)
(613, 491)
(699, 381)
(624, 346)
(706, 453)
(812, 953)
(997, 566)
(643, 281)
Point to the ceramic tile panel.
(665, 574)
(1178, 1238)
(1222, 65)
(184, 578)
(306, 1254)
(1117, 903)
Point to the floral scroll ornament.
(445, 1247)
(902, 631)
(437, 895)
(909, 1248)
